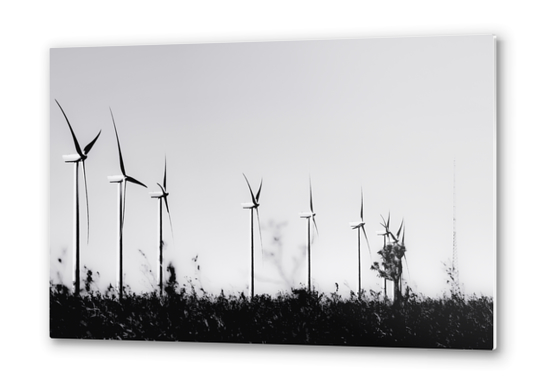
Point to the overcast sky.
(386, 115)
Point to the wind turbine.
(77, 158)
(161, 195)
(395, 239)
(121, 180)
(253, 206)
(309, 215)
(360, 225)
(385, 235)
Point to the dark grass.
(297, 317)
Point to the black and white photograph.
(272, 192)
(330, 192)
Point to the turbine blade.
(118, 144)
(132, 180)
(408, 270)
(361, 214)
(165, 201)
(310, 189)
(403, 239)
(77, 147)
(251, 194)
(162, 188)
(400, 228)
(315, 226)
(86, 199)
(260, 230)
(383, 221)
(259, 190)
(91, 144)
(169, 215)
(123, 206)
(165, 165)
(367, 240)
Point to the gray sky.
(388, 115)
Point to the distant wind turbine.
(360, 225)
(309, 216)
(385, 235)
(161, 195)
(253, 206)
(394, 239)
(121, 180)
(77, 158)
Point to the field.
(296, 317)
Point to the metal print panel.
(335, 192)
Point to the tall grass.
(295, 317)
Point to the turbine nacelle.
(74, 158)
(307, 215)
(116, 178)
(356, 224)
(162, 194)
(158, 195)
(249, 205)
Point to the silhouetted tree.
(391, 267)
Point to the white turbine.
(253, 206)
(161, 195)
(77, 158)
(360, 225)
(309, 216)
(121, 180)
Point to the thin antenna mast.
(455, 270)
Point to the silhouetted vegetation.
(391, 267)
(296, 317)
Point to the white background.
(29, 29)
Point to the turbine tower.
(253, 206)
(121, 180)
(77, 158)
(309, 216)
(161, 195)
(360, 225)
